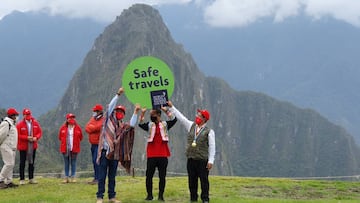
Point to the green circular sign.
(148, 81)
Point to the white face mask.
(94, 114)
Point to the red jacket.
(23, 134)
(93, 128)
(76, 140)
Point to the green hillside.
(222, 190)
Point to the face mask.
(119, 115)
(71, 121)
(198, 120)
(153, 118)
(27, 117)
(94, 114)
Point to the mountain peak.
(139, 18)
(140, 13)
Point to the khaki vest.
(201, 150)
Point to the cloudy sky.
(216, 13)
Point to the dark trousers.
(106, 168)
(153, 163)
(197, 170)
(23, 155)
(94, 152)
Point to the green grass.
(223, 189)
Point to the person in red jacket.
(70, 136)
(29, 132)
(93, 128)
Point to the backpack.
(3, 136)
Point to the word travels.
(149, 84)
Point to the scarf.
(118, 142)
(68, 144)
(124, 146)
(107, 137)
(30, 150)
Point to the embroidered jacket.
(163, 131)
(158, 138)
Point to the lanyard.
(197, 133)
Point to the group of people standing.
(116, 139)
(112, 140)
(22, 136)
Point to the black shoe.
(161, 198)
(12, 185)
(3, 185)
(149, 198)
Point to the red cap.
(204, 113)
(97, 107)
(70, 115)
(26, 111)
(12, 111)
(120, 107)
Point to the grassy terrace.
(223, 189)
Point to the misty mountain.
(256, 135)
(39, 54)
(311, 63)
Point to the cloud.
(217, 13)
(103, 11)
(345, 10)
(238, 13)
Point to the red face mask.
(119, 115)
(27, 117)
(71, 121)
(198, 120)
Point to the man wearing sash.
(200, 151)
(115, 145)
(29, 133)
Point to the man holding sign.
(200, 151)
(112, 145)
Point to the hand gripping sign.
(148, 81)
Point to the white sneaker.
(113, 200)
(99, 200)
(66, 180)
(32, 181)
(22, 182)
